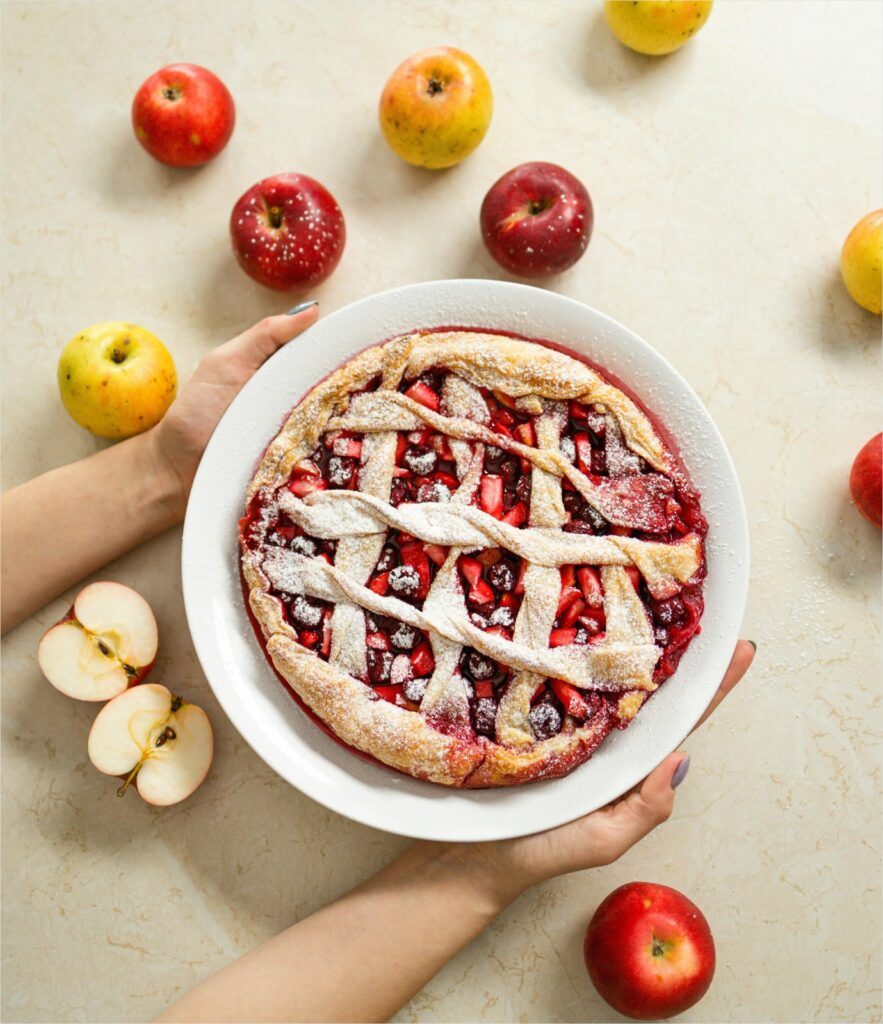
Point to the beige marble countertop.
(724, 180)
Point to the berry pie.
(472, 556)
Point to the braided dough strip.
(407, 741)
(613, 666)
(332, 514)
(616, 498)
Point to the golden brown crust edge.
(405, 741)
(397, 737)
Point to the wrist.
(487, 871)
(166, 490)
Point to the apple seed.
(167, 734)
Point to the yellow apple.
(116, 379)
(436, 107)
(861, 262)
(654, 27)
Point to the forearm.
(367, 954)
(65, 524)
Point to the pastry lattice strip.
(636, 501)
(542, 584)
(608, 665)
(447, 696)
(331, 514)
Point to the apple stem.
(122, 790)
(538, 206)
(274, 215)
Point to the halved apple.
(105, 643)
(155, 739)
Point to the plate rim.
(366, 813)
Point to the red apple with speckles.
(866, 481)
(288, 232)
(649, 951)
(537, 220)
(183, 115)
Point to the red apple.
(287, 232)
(537, 220)
(183, 115)
(649, 951)
(865, 482)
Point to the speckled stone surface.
(724, 180)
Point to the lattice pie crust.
(434, 737)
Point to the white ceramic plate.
(255, 700)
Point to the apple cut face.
(154, 738)
(107, 641)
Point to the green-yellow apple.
(861, 262)
(436, 107)
(116, 379)
(656, 27)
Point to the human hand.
(179, 439)
(606, 834)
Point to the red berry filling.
(493, 588)
(406, 568)
(424, 468)
(486, 682)
(333, 465)
(399, 659)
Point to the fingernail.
(680, 772)
(301, 306)
(754, 645)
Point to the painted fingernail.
(680, 772)
(301, 306)
(753, 644)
